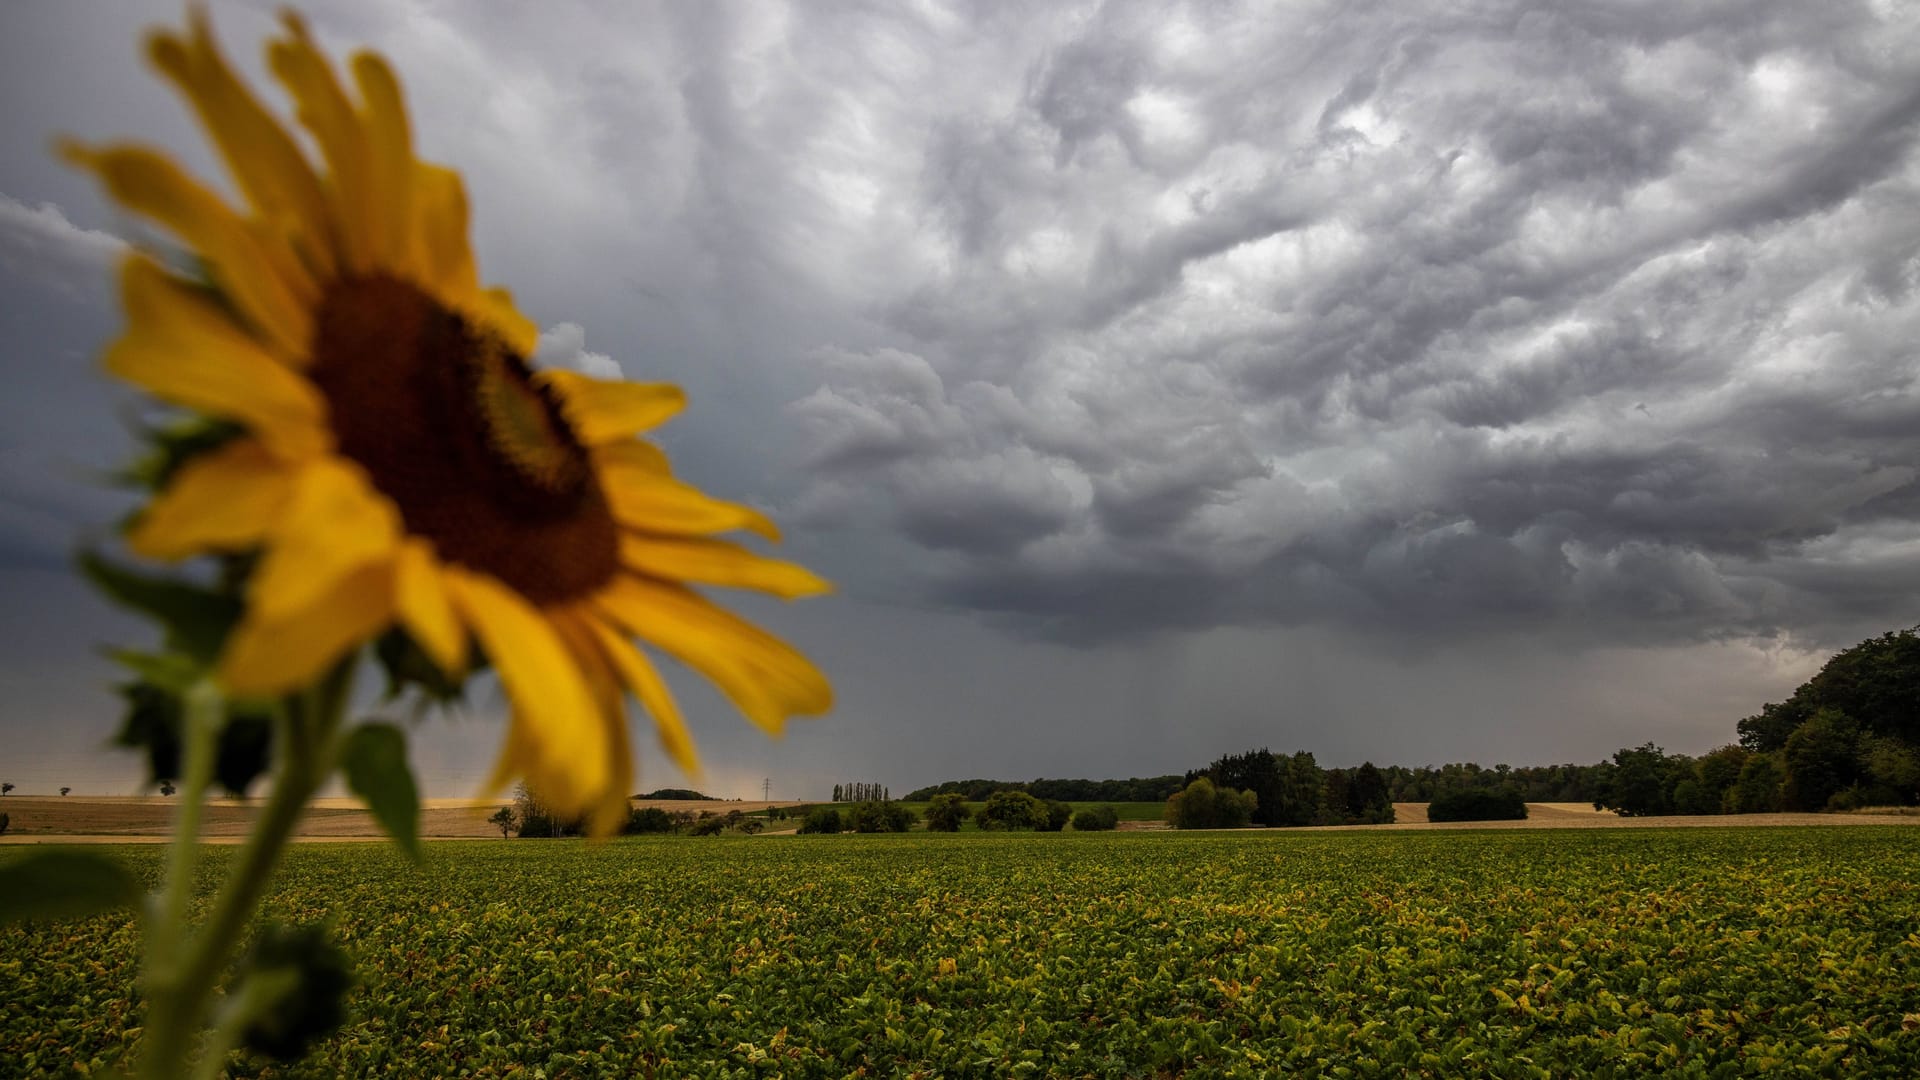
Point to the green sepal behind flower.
(195, 620)
(175, 444)
(406, 665)
(153, 724)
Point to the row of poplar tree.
(861, 792)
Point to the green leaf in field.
(63, 885)
(303, 979)
(376, 766)
(196, 619)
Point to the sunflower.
(399, 464)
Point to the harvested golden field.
(138, 818)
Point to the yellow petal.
(606, 809)
(148, 183)
(335, 523)
(495, 309)
(517, 749)
(764, 676)
(327, 114)
(442, 255)
(261, 155)
(554, 707)
(224, 500)
(645, 500)
(601, 411)
(640, 676)
(425, 608)
(717, 562)
(187, 350)
(389, 163)
(635, 454)
(268, 656)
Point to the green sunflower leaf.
(246, 749)
(196, 619)
(169, 671)
(153, 722)
(174, 445)
(376, 767)
(64, 885)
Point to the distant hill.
(678, 794)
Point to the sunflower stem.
(307, 727)
(166, 929)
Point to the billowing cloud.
(565, 346)
(1279, 366)
(40, 241)
(1479, 319)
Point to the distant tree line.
(677, 794)
(945, 812)
(1478, 804)
(1096, 819)
(1138, 789)
(871, 816)
(862, 792)
(528, 817)
(1848, 737)
(1012, 811)
(1006, 810)
(1285, 790)
(1535, 783)
(1289, 790)
(1201, 805)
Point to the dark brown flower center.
(450, 425)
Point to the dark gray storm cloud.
(1420, 322)
(1197, 373)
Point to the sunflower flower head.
(392, 467)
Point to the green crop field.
(1711, 952)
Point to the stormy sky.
(1395, 381)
